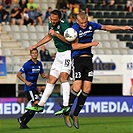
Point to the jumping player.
(61, 66)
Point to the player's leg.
(87, 77)
(33, 97)
(65, 68)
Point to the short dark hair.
(56, 12)
(33, 50)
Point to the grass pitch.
(56, 125)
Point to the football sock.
(73, 95)
(24, 115)
(66, 92)
(29, 117)
(81, 100)
(47, 92)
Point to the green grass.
(56, 125)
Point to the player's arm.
(61, 37)
(46, 39)
(19, 75)
(112, 27)
(76, 45)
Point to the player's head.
(34, 53)
(55, 17)
(82, 20)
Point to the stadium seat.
(40, 36)
(23, 28)
(25, 44)
(121, 44)
(106, 44)
(104, 36)
(24, 36)
(123, 22)
(107, 51)
(44, 6)
(33, 42)
(129, 15)
(107, 15)
(14, 28)
(16, 60)
(96, 37)
(108, 22)
(116, 22)
(16, 35)
(123, 51)
(98, 15)
(101, 21)
(115, 51)
(97, 7)
(114, 44)
(39, 28)
(114, 15)
(32, 36)
(112, 37)
(122, 15)
(6, 28)
(6, 52)
(31, 28)
(130, 22)
(99, 51)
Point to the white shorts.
(62, 63)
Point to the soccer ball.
(70, 34)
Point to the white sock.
(66, 92)
(47, 92)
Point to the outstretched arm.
(112, 27)
(46, 39)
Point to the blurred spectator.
(23, 4)
(47, 14)
(4, 15)
(39, 16)
(108, 2)
(31, 4)
(53, 56)
(25, 18)
(83, 6)
(32, 13)
(15, 15)
(76, 7)
(44, 54)
(15, 3)
(61, 4)
(64, 13)
(129, 5)
(6, 3)
(71, 4)
(71, 19)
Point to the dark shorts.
(32, 95)
(82, 68)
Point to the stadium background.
(112, 61)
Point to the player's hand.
(32, 47)
(46, 75)
(52, 32)
(95, 43)
(127, 28)
(29, 83)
